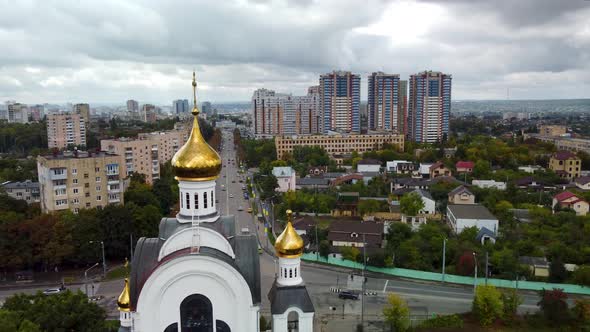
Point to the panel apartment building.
(338, 146)
(145, 154)
(65, 129)
(79, 180)
(340, 100)
(387, 102)
(429, 106)
(284, 114)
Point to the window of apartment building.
(98, 188)
(60, 192)
(61, 202)
(96, 169)
(86, 175)
(99, 198)
(98, 179)
(59, 171)
(87, 194)
(74, 171)
(87, 205)
(86, 185)
(75, 190)
(19, 194)
(75, 181)
(76, 210)
(75, 201)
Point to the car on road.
(259, 249)
(51, 291)
(240, 208)
(348, 295)
(223, 189)
(249, 210)
(231, 196)
(233, 181)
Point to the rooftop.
(459, 190)
(470, 211)
(282, 171)
(564, 155)
(19, 185)
(369, 162)
(78, 155)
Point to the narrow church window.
(205, 200)
(181, 201)
(295, 272)
(188, 201)
(212, 199)
(197, 201)
(290, 273)
(196, 314)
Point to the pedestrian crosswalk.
(338, 290)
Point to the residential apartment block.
(285, 114)
(338, 146)
(65, 129)
(84, 111)
(17, 113)
(340, 102)
(552, 130)
(148, 113)
(132, 105)
(145, 154)
(27, 191)
(566, 164)
(429, 106)
(563, 143)
(180, 106)
(79, 180)
(387, 103)
(135, 155)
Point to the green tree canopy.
(411, 204)
(396, 313)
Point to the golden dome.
(196, 160)
(124, 302)
(289, 244)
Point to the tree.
(66, 311)
(350, 253)
(324, 248)
(466, 264)
(369, 205)
(557, 272)
(582, 275)
(481, 168)
(398, 232)
(411, 204)
(487, 304)
(268, 184)
(511, 301)
(553, 304)
(396, 313)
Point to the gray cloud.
(57, 51)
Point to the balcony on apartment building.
(114, 198)
(58, 173)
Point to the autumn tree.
(396, 313)
(553, 305)
(487, 304)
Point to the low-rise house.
(368, 176)
(304, 225)
(464, 166)
(414, 221)
(424, 170)
(317, 170)
(568, 200)
(461, 216)
(565, 164)
(27, 191)
(429, 202)
(450, 152)
(313, 183)
(395, 166)
(439, 169)
(485, 235)
(346, 204)
(346, 179)
(583, 182)
(355, 234)
(399, 183)
(461, 195)
(368, 165)
(486, 184)
(530, 183)
(530, 169)
(539, 266)
(286, 178)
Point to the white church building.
(199, 274)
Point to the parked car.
(240, 208)
(348, 295)
(249, 210)
(231, 196)
(51, 291)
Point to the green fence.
(451, 278)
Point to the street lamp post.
(475, 273)
(443, 258)
(104, 262)
(86, 277)
(363, 281)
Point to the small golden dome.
(289, 244)
(196, 160)
(124, 302)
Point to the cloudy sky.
(111, 50)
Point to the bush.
(350, 253)
(554, 306)
(487, 304)
(445, 321)
(511, 301)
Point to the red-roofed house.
(569, 200)
(566, 164)
(439, 169)
(464, 166)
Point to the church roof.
(283, 297)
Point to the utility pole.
(363, 287)
(487, 268)
(475, 273)
(443, 258)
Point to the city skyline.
(94, 54)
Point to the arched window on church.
(205, 200)
(295, 273)
(221, 326)
(196, 314)
(293, 321)
(172, 328)
(181, 201)
(212, 199)
(188, 201)
(290, 273)
(196, 201)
